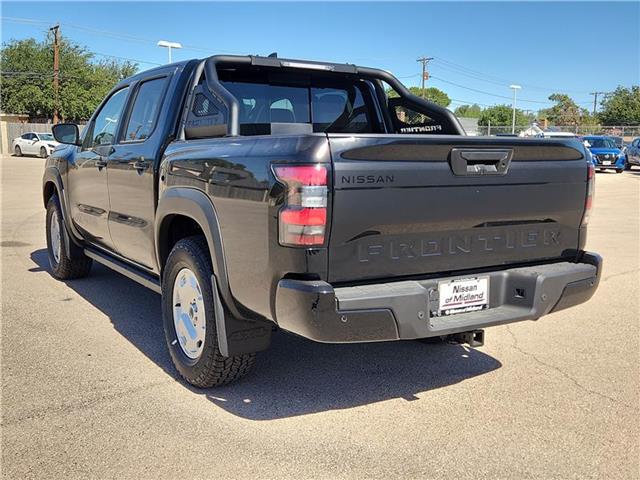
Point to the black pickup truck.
(259, 192)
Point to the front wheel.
(188, 311)
(66, 259)
(43, 152)
(619, 170)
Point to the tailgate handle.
(468, 161)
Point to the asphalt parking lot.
(89, 391)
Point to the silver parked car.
(34, 143)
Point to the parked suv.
(257, 193)
(606, 155)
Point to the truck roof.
(256, 60)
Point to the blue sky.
(574, 48)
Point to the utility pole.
(425, 73)
(515, 88)
(595, 100)
(56, 71)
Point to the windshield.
(619, 141)
(46, 136)
(600, 142)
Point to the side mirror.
(66, 133)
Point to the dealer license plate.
(463, 295)
(606, 162)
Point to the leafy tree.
(469, 111)
(27, 82)
(622, 107)
(566, 112)
(503, 115)
(432, 94)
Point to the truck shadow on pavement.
(295, 376)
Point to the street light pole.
(169, 46)
(515, 88)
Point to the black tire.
(43, 152)
(211, 368)
(75, 264)
(619, 170)
(17, 151)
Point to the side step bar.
(125, 269)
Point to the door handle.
(139, 164)
(479, 161)
(101, 164)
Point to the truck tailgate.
(415, 205)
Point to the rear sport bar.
(210, 65)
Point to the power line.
(125, 58)
(494, 79)
(486, 93)
(106, 33)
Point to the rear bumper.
(401, 310)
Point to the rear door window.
(144, 113)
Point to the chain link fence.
(628, 132)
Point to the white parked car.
(34, 143)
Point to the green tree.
(565, 112)
(27, 79)
(469, 111)
(502, 115)
(622, 107)
(432, 94)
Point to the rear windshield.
(324, 105)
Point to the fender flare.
(195, 204)
(237, 334)
(52, 175)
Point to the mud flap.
(237, 336)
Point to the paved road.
(88, 389)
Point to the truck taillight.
(591, 187)
(303, 219)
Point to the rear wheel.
(66, 259)
(17, 151)
(619, 170)
(188, 311)
(43, 152)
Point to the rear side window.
(144, 113)
(407, 120)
